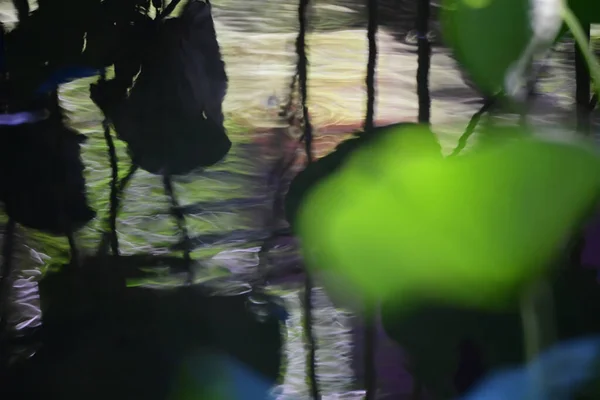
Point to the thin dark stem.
(369, 124)
(168, 9)
(310, 339)
(302, 75)
(288, 105)
(372, 62)
(181, 225)
(114, 196)
(424, 60)
(106, 237)
(114, 167)
(462, 142)
(114, 200)
(307, 136)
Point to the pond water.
(233, 201)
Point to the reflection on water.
(232, 202)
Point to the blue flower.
(556, 374)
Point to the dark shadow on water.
(102, 340)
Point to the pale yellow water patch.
(261, 65)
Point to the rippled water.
(234, 199)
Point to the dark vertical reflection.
(424, 55)
(582, 91)
(373, 6)
(307, 135)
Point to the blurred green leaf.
(489, 37)
(468, 230)
(486, 37)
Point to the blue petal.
(563, 370)
(248, 384)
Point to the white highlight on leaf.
(546, 20)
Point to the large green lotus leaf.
(486, 36)
(470, 230)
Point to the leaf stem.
(537, 315)
(583, 43)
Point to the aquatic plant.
(428, 227)
(494, 220)
(524, 30)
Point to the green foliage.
(496, 41)
(472, 230)
(488, 38)
(587, 11)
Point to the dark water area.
(230, 206)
